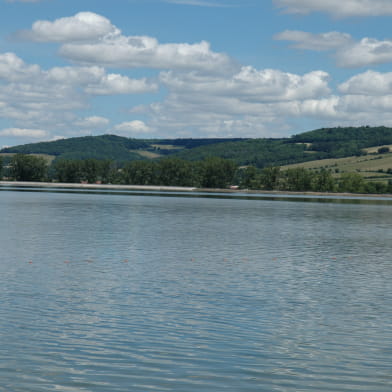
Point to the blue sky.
(192, 68)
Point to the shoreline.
(163, 188)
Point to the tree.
(383, 150)
(140, 173)
(107, 170)
(270, 177)
(298, 179)
(68, 170)
(1, 168)
(249, 178)
(174, 171)
(351, 182)
(217, 172)
(89, 170)
(323, 181)
(28, 168)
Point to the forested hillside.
(117, 148)
(97, 147)
(314, 145)
(342, 142)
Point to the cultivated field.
(373, 166)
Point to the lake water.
(129, 292)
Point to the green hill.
(325, 143)
(111, 147)
(97, 147)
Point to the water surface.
(115, 292)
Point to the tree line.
(212, 172)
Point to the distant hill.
(314, 145)
(109, 147)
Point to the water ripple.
(180, 294)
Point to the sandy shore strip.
(163, 188)
(159, 188)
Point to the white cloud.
(338, 8)
(80, 27)
(146, 52)
(248, 103)
(369, 83)
(249, 84)
(132, 128)
(319, 42)
(96, 81)
(208, 94)
(117, 84)
(364, 53)
(265, 103)
(47, 99)
(95, 122)
(91, 39)
(13, 68)
(20, 132)
(348, 53)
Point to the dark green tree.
(376, 187)
(323, 181)
(249, 178)
(174, 171)
(1, 168)
(298, 179)
(28, 168)
(90, 170)
(352, 183)
(68, 171)
(217, 172)
(270, 177)
(107, 171)
(383, 150)
(140, 173)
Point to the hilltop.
(316, 145)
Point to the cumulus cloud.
(80, 27)
(146, 52)
(96, 81)
(20, 132)
(249, 84)
(94, 122)
(208, 94)
(13, 68)
(347, 52)
(265, 103)
(369, 83)
(319, 42)
(247, 103)
(117, 84)
(47, 99)
(132, 128)
(338, 8)
(91, 39)
(364, 53)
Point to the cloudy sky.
(192, 68)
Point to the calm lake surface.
(127, 292)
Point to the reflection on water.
(112, 292)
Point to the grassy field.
(374, 166)
(167, 147)
(48, 158)
(146, 154)
(155, 154)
